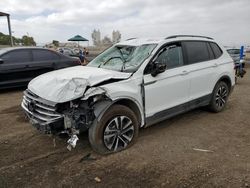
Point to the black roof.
(4, 50)
(22, 47)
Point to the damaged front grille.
(39, 110)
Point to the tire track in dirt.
(33, 159)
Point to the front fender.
(101, 107)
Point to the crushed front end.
(48, 117)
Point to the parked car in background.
(66, 51)
(239, 68)
(74, 52)
(133, 84)
(235, 54)
(19, 65)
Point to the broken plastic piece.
(97, 179)
(93, 91)
(204, 150)
(72, 142)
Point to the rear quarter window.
(216, 49)
(196, 51)
(44, 55)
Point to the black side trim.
(148, 83)
(168, 113)
(112, 80)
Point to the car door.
(43, 61)
(14, 68)
(168, 89)
(202, 69)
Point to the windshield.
(123, 58)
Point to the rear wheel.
(116, 130)
(219, 97)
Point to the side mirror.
(1, 61)
(158, 68)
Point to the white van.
(133, 84)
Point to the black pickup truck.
(19, 65)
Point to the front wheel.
(116, 130)
(219, 97)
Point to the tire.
(117, 130)
(219, 97)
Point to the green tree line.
(25, 40)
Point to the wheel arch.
(227, 80)
(130, 103)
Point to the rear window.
(196, 51)
(216, 49)
(44, 55)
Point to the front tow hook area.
(72, 142)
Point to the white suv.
(133, 84)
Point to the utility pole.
(9, 27)
(10, 33)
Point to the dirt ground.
(165, 155)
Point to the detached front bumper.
(42, 114)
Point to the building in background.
(96, 37)
(116, 36)
(106, 41)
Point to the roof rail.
(130, 39)
(175, 36)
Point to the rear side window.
(210, 51)
(44, 55)
(17, 56)
(216, 49)
(196, 51)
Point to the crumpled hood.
(70, 83)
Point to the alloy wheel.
(118, 133)
(221, 96)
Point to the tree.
(5, 39)
(96, 37)
(28, 41)
(106, 41)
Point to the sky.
(228, 21)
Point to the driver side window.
(171, 56)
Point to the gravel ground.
(165, 154)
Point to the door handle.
(215, 65)
(184, 72)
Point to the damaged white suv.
(133, 84)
